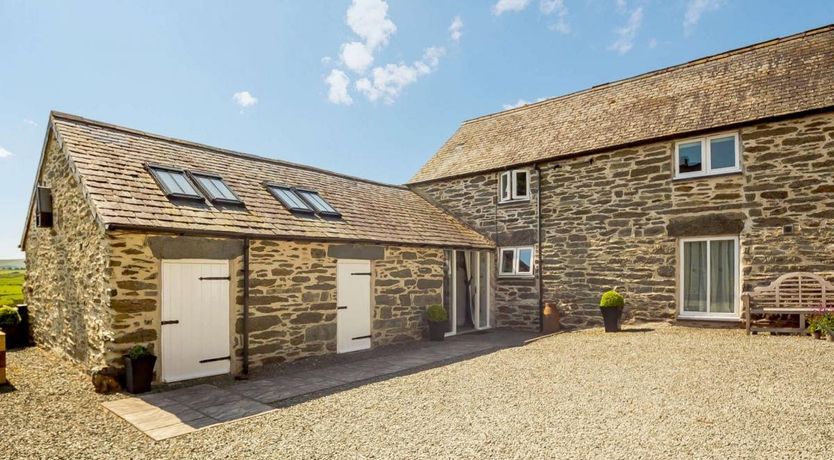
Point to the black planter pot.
(611, 317)
(139, 374)
(12, 336)
(437, 331)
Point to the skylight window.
(214, 187)
(317, 202)
(174, 183)
(289, 198)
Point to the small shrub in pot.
(139, 363)
(438, 322)
(9, 321)
(611, 306)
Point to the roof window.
(174, 182)
(318, 203)
(214, 188)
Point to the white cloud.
(456, 29)
(29, 122)
(326, 60)
(627, 33)
(338, 82)
(558, 8)
(387, 82)
(653, 43)
(244, 99)
(621, 5)
(509, 5)
(4, 153)
(695, 9)
(368, 19)
(517, 104)
(356, 56)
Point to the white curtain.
(695, 276)
(722, 276)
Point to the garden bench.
(797, 293)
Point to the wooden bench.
(796, 293)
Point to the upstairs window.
(174, 183)
(289, 198)
(706, 156)
(516, 261)
(514, 185)
(318, 203)
(214, 188)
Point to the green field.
(11, 287)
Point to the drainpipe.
(539, 243)
(246, 307)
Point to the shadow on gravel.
(7, 388)
(414, 370)
(638, 329)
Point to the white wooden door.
(353, 303)
(194, 319)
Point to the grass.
(11, 287)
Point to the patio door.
(195, 319)
(467, 290)
(709, 278)
(353, 305)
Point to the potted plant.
(438, 322)
(611, 305)
(9, 322)
(827, 325)
(139, 363)
(815, 324)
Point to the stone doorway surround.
(167, 414)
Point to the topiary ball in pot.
(611, 306)
(438, 322)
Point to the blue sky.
(364, 87)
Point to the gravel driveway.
(671, 392)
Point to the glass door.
(466, 291)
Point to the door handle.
(170, 321)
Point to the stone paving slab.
(176, 412)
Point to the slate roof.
(110, 161)
(774, 78)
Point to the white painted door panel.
(353, 299)
(195, 296)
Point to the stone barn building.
(682, 187)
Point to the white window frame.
(515, 273)
(508, 196)
(706, 160)
(707, 315)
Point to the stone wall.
(613, 219)
(292, 296)
(474, 200)
(405, 282)
(66, 270)
(789, 182)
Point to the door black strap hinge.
(209, 278)
(362, 337)
(341, 307)
(361, 273)
(211, 360)
(170, 321)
